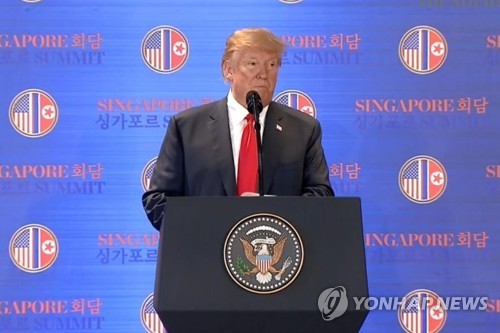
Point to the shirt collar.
(238, 112)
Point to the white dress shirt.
(237, 122)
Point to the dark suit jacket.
(196, 157)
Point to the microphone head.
(254, 103)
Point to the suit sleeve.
(316, 181)
(168, 176)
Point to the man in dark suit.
(200, 155)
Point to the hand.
(249, 194)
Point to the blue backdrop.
(407, 93)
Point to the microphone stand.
(254, 106)
(259, 153)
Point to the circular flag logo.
(422, 179)
(297, 100)
(149, 317)
(423, 50)
(147, 173)
(33, 113)
(422, 311)
(263, 253)
(165, 49)
(33, 248)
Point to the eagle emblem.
(263, 253)
(263, 260)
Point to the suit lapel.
(218, 126)
(273, 143)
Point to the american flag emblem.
(297, 100)
(165, 49)
(33, 113)
(149, 317)
(33, 248)
(423, 50)
(147, 173)
(422, 311)
(422, 179)
(263, 263)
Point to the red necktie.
(247, 162)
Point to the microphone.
(254, 106)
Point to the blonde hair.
(253, 38)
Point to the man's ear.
(227, 70)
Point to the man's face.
(252, 70)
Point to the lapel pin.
(278, 127)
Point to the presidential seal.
(263, 253)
